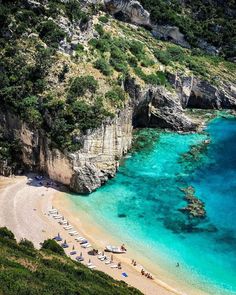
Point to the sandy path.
(24, 210)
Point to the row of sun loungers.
(80, 239)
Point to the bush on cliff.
(80, 85)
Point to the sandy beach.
(25, 206)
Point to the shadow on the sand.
(38, 180)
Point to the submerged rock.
(195, 207)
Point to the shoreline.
(100, 237)
(25, 210)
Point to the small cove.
(140, 205)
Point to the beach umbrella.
(89, 260)
(67, 222)
(111, 257)
(73, 247)
(81, 254)
(102, 253)
(62, 217)
(65, 242)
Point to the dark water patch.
(122, 215)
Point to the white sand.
(24, 210)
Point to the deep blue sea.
(140, 205)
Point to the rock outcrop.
(161, 108)
(170, 33)
(201, 94)
(83, 171)
(129, 10)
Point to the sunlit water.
(140, 205)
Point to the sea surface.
(141, 204)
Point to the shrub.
(104, 19)
(99, 29)
(163, 56)
(136, 47)
(51, 33)
(103, 66)
(6, 233)
(116, 95)
(80, 85)
(52, 245)
(26, 243)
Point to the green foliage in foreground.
(25, 270)
(52, 246)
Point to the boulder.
(170, 33)
(130, 10)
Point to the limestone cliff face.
(85, 170)
(98, 159)
(131, 10)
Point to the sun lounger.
(72, 232)
(73, 252)
(86, 245)
(67, 227)
(89, 264)
(62, 222)
(52, 211)
(108, 262)
(79, 239)
(79, 258)
(92, 266)
(58, 217)
(84, 241)
(114, 266)
(101, 256)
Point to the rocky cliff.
(73, 86)
(82, 171)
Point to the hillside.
(74, 81)
(25, 270)
(208, 24)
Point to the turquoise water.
(140, 205)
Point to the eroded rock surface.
(132, 10)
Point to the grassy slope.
(24, 270)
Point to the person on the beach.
(135, 263)
(123, 247)
(119, 265)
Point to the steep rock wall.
(83, 171)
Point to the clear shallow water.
(140, 206)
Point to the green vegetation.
(104, 19)
(116, 95)
(102, 65)
(80, 85)
(25, 270)
(50, 33)
(212, 21)
(52, 246)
